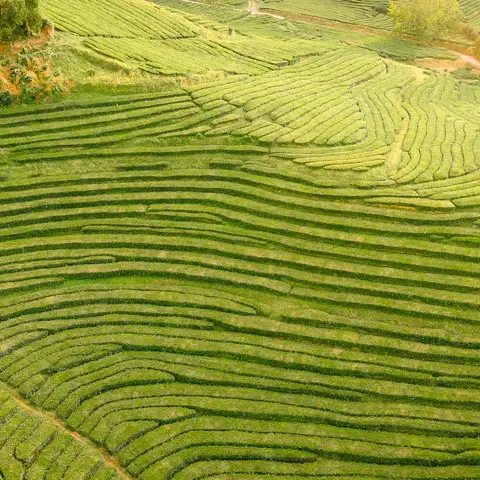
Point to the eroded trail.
(253, 6)
(472, 60)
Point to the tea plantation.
(243, 248)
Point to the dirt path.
(472, 60)
(254, 9)
(110, 461)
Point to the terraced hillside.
(209, 321)
(267, 269)
(471, 10)
(358, 12)
(371, 13)
(119, 19)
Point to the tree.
(12, 16)
(19, 17)
(425, 18)
(33, 20)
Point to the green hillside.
(370, 13)
(242, 248)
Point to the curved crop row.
(118, 18)
(322, 97)
(199, 55)
(185, 323)
(206, 307)
(432, 118)
(358, 12)
(32, 446)
(161, 339)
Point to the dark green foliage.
(12, 16)
(382, 9)
(19, 18)
(33, 21)
(6, 98)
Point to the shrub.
(381, 9)
(29, 76)
(6, 98)
(477, 48)
(470, 32)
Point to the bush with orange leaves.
(29, 76)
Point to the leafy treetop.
(19, 18)
(425, 18)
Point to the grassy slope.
(254, 258)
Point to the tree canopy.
(425, 18)
(18, 17)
